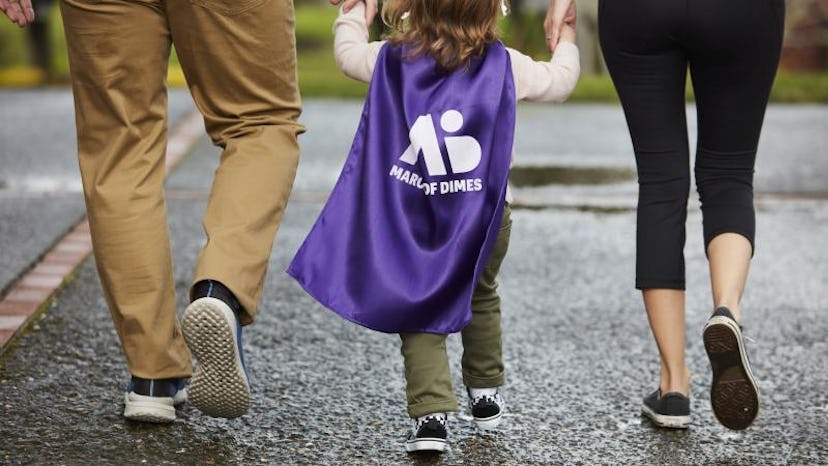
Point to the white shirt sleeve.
(550, 81)
(354, 55)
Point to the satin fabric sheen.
(386, 252)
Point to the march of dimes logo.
(464, 155)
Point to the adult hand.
(19, 11)
(370, 8)
(560, 12)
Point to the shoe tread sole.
(733, 394)
(218, 387)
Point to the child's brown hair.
(452, 31)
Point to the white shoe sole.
(219, 386)
(430, 444)
(489, 423)
(734, 394)
(148, 408)
(661, 420)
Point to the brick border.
(28, 296)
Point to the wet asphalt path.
(578, 350)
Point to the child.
(413, 235)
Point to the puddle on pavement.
(43, 184)
(547, 175)
(595, 209)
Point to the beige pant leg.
(239, 58)
(118, 54)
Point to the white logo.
(464, 152)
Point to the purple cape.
(408, 227)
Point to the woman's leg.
(649, 72)
(665, 311)
(729, 259)
(734, 51)
(732, 87)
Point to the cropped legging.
(732, 50)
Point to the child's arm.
(354, 55)
(550, 81)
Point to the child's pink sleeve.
(551, 81)
(354, 55)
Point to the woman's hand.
(560, 13)
(370, 8)
(19, 11)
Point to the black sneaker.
(153, 400)
(219, 386)
(670, 410)
(734, 393)
(429, 434)
(487, 410)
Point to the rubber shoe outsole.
(219, 386)
(426, 444)
(734, 394)
(489, 423)
(155, 409)
(663, 420)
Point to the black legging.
(732, 48)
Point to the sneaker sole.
(219, 386)
(428, 444)
(663, 420)
(148, 409)
(734, 394)
(489, 423)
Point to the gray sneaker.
(154, 400)
(219, 386)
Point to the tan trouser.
(239, 59)
(427, 374)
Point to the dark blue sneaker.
(219, 386)
(154, 400)
(670, 410)
(734, 393)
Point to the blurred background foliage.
(38, 56)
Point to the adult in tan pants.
(239, 59)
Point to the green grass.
(319, 76)
(801, 88)
(318, 73)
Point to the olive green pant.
(427, 376)
(239, 58)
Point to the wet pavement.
(40, 188)
(578, 350)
